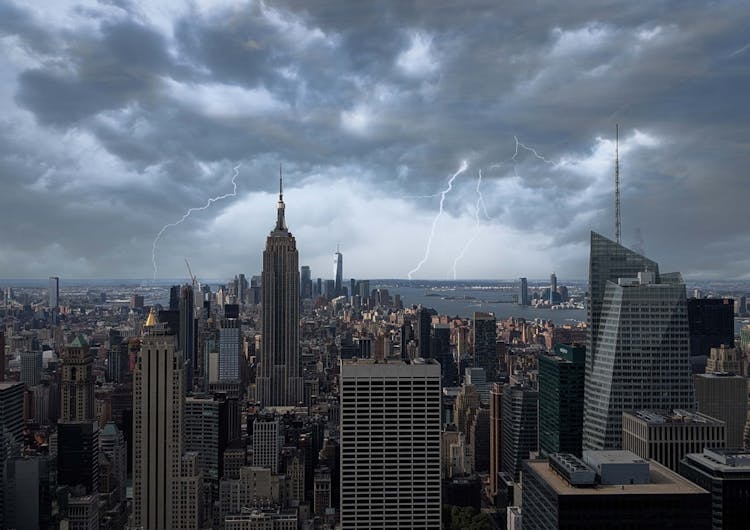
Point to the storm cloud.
(119, 116)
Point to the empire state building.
(279, 380)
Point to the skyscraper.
(552, 288)
(722, 393)
(31, 368)
(523, 299)
(422, 327)
(519, 427)
(164, 492)
(53, 292)
(390, 470)
(279, 380)
(11, 431)
(229, 349)
(306, 282)
(338, 272)
(78, 431)
(2, 356)
(608, 261)
(640, 354)
(484, 329)
(561, 386)
(187, 336)
(496, 407)
(77, 392)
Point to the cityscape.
(280, 266)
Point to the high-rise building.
(187, 334)
(11, 432)
(338, 272)
(364, 291)
(206, 435)
(561, 384)
(390, 445)
(726, 474)
(609, 489)
(496, 408)
(329, 289)
(230, 342)
(53, 292)
(552, 288)
(77, 384)
(724, 396)
(3, 364)
(279, 380)
(523, 298)
(422, 327)
(165, 494)
(440, 351)
(640, 355)
(667, 436)
(725, 359)
(711, 322)
(267, 442)
(306, 281)
(78, 455)
(112, 444)
(519, 427)
(484, 329)
(608, 261)
(478, 378)
(479, 439)
(31, 368)
(136, 301)
(28, 492)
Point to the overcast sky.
(119, 116)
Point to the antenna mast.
(617, 185)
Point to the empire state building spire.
(279, 376)
(280, 220)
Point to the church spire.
(280, 220)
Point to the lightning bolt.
(480, 204)
(209, 202)
(464, 166)
(513, 159)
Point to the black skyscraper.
(187, 335)
(78, 455)
(423, 325)
(711, 323)
(174, 298)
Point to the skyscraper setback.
(279, 380)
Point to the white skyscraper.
(267, 443)
(390, 445)
(641, 357)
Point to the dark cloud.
(120, 116)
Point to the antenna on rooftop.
(617, 185)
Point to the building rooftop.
(677, 416)
(4, 385)
(660, 479)
(727, 460)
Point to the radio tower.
(617, 184)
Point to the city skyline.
(119, 119)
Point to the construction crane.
(193, 278)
